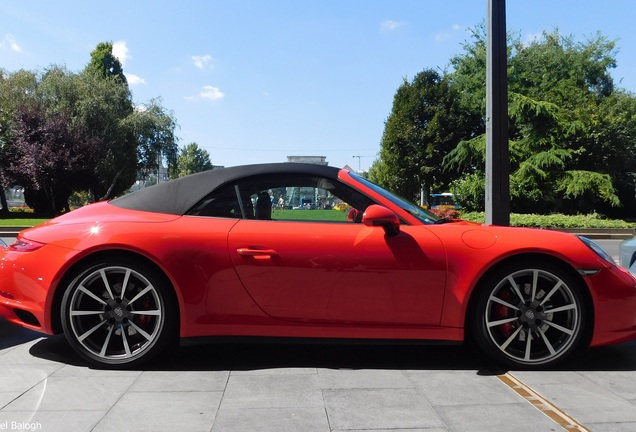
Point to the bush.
(447, 213)
(593, 220)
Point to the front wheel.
(529, 316)
(117, 314)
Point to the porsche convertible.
(306, 251)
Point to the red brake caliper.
(503, 312)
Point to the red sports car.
(299, 250)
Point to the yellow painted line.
(542, 404)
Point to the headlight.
(597, 249)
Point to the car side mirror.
(377, 215)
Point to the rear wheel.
(529, 316)
(119, 314)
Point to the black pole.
(497, 153)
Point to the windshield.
(423, 215)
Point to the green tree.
(17, 90)
(103, 111)
(193, 159)
(40, 151)
(424, 125)
(44, 159)
(153, 128)
(63, 132)
(569, 147)
(104, 64)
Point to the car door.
(340, 272)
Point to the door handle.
(257, 253)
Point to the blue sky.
(257, 81)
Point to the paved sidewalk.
(263, 387)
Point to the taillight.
(25, 245)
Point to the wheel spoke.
(535, 283)
(125, 342)
(510, 339)
(500, 322)
(85, 290)
(140, 330)
(124, 284)
(552, 291)
(547, 341)
(147, 312)
(102, 272)
(561, 308)
(561, 328)
(91, 331)
(141, 294)
(515, 288)
(528, 347)
(503, 302)
(105, 345)
(85, 313)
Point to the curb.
(11, 231)
(600, 233)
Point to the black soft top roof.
(179, 195)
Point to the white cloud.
(201, 62)
(207, 93)
(440, 37)
(9, 42)
(211, 93)
(134, 79)
(120, 50)
(531, 38)
(390, 25)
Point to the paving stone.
(312, 419)
(162, 411)
(72, 393)
(272, 391)
(362, 379)
(379, 409)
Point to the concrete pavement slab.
(362, 379)
(519, 417)
(272, 391)
(379, 409)
(187, 381)
(17, 379)
(162, 411)
(51, 421)
(585, 396)
(393, 430)
(588, 402)
(309, 419)
(621, 383)
(613, 427)
(461, 388)
(72, 393)
(84, 371)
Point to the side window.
(223, 202)
(289, 197)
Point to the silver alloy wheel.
(115, 314)
(533, 317)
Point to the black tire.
(119, 314)
(529, 315)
